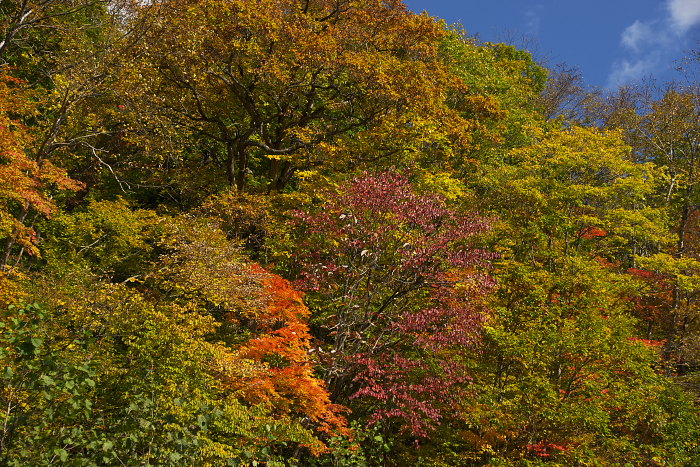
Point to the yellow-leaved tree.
(274, 87)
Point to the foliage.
(46, 396)
(566, 377)
(397, 287)
(26, 182)
(561, 375)
(190, 367)
(158, 160)
(660, 124)
(282, 86)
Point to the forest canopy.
(336, 232)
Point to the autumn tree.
(68, 53)
(28, 27)
(159, 160)
(670, 138)
(508, 78)
(26, 182)
(566, 95)
(395, 288)
(286, 85)
(661, 125)
(199, 355)
(563, 375)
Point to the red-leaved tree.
(395, 284)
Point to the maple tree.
(26, 182)
(397, 287)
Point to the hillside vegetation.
(336, 233)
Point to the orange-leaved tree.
(26, 182)
(263, 354)
(284, 375)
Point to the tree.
(201, 356)
(661, 125)
(46, 394)
(670, 138)
(288, 85)
(21, 19)
(395, 287)
(573, 189)
(566, 95)
(26, 182)
(561, 374)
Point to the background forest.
(336, 233)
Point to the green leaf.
(47, 380)
(29, 347)
(62, 454)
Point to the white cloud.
(532, 16)
(625, 71)
(648, 42)
(684, 14)
(637, 35)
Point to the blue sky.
(612, 42)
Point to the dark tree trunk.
(280, 174)
(231, 163)
(236, 164)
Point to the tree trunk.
(280, 174)
(236, 164)
(673, 337)
(231, 162)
